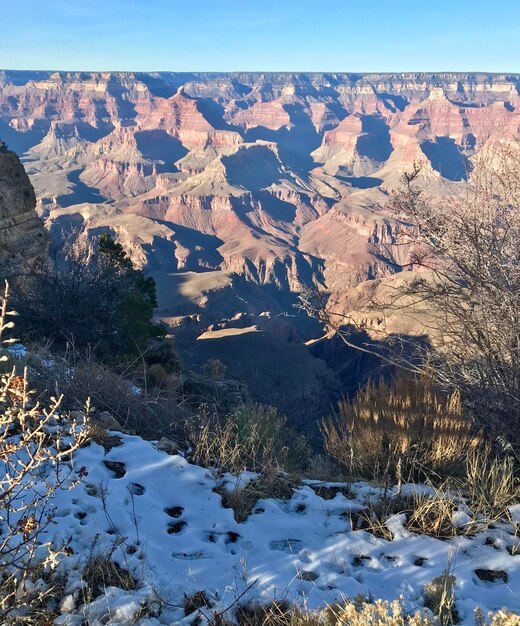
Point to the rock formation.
(281, 178)
(23, 238)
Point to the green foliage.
(114, 252)
(94, 302)
(136, 302)
(137, 299)
(214, 369)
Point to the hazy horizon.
(247, 71)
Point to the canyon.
(235, 191)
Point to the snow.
(17, 350)
(163, 521)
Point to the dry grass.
(362, 613)
(243, 499)
(253, 438)
(432, 515)
(102, 572)
(439, 597)
(401, 430)
(500, 618)
(491, 485)
(374, 517)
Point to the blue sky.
(261, 35)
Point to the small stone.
(306, 575)
(107, 420)
(167, 445)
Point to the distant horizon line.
(281, 72)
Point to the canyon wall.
(283, 179)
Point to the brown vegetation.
(401, 430)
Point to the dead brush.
(101, 572)
(406, 425)
(490, 485)
(243, 499)
(375, 516)
(433, 515)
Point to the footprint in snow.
(116, 467)
(286, 545)
(229, 539)
(136, 489)
(392, 560)
(174, 511)
(190, 556)
(174, 528)
(305, 556)
(492, 576)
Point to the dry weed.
(491, 485)
(405, 428)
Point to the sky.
(261, 35)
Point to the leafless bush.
(36, 444)
(469, 244)
(465, 243)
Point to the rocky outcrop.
(23, 239)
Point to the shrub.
(214, 369)
(400, 430)
(439, 597)
(88, 300)
(33, 440)
(491, 485)
(254, 438)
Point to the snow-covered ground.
(161, 519)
